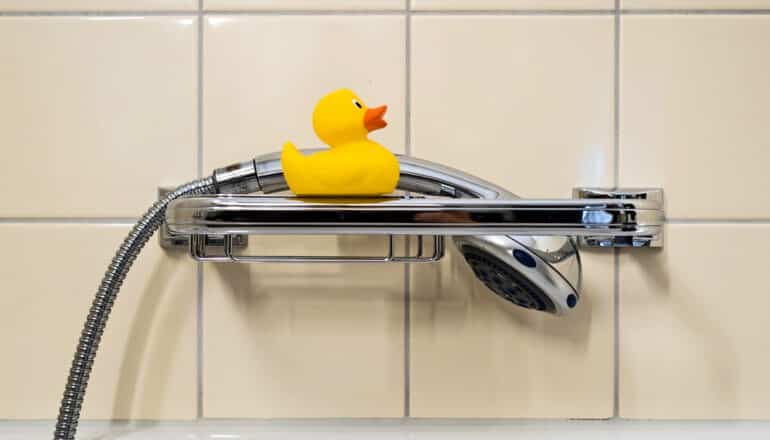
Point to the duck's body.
(354, 165)
(361, 168)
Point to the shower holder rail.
(199, 250)
(215, 228)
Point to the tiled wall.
(103, 101)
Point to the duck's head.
(341, 117)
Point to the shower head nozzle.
(526, 275)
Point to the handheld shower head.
(523, 274)
(539, 273)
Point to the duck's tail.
(291, 160)
(290, 154)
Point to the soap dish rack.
(215, 228)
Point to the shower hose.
(72, 401)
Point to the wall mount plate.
(652, 195)
(176, 241)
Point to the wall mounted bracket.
(652, 195)
(171, 241)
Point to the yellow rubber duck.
(354, 165)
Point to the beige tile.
(695, 4)
(95, 107)
(510, 4)
(693, 325)
(300, 340)
(342, 5)
(525, 102)
(476, 355)
(693, 112)
(98, 5)
(264, 75)
(286, 340)
(145, 368)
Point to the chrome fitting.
(239, 178)
(651, 214)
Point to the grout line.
(199, 67)
(383, 422)
(408, 83)
(407, 336)
(407, 266)
(695, 11)
(168, 13)
(616, 96)
(616, 252)
(616, 332)
(164, 13)
(717, 221)
(310, 12)
(515, 12)
(199, 341)
(199, 268)
(71, 220)
(523, 12)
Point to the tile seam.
(70, 220)
(616, 180)
(199, 267)
(407, 266)
(523, 12)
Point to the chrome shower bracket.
(214, 227)
(653, 195)
(177, 241)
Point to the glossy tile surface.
(510, 4)
(309, 5)
(98, 5)
(264, 75)
(145, 368)
(693, 112)
(475, 355)
(693, 324)
(300, 340)
(525, 102)
(695, 4)
(99, 112)
(303, 340)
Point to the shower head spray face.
(526, 275)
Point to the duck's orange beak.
(373, 118)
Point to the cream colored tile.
(97, 112)
(510, 4)
(525, 102)
(694, 4)
(300, 340)
(98, 5)
(145, 368)
(286, 340)
(264, 75)
(693, 325)
(693, 112)
(476, 355)
(264, 5)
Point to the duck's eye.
(357, 104)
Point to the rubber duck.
(354, 165)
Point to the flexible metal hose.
(72, 401)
